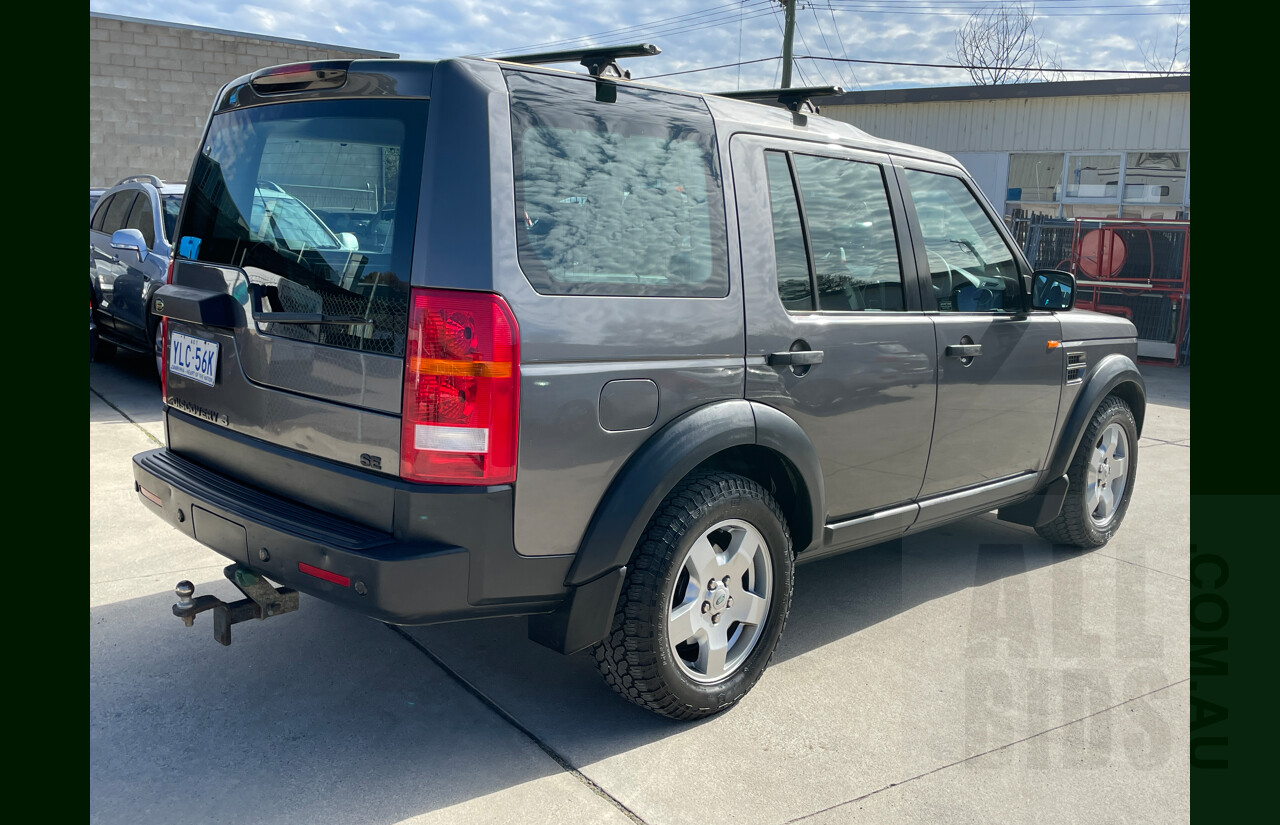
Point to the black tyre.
(707, 594)
(1101, 478)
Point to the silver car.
(130, 245)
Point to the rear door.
(312, 358)
(829, 275)
(999, 380)
(108, 264)
(128, 300)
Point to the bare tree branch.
(1178, 58)
(1000, 44)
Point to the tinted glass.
(616, 198)
(794, 287)
(317, 202)
(100, 216)
(140, 219)
(855, 250)
(970, 266)
(170, 204)
(117, 210)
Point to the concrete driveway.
(971, 674)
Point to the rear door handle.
(963, 350)
(797, 358)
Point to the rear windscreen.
(316, 201)
(616, 194)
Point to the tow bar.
(262, 601)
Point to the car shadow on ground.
(325, 715)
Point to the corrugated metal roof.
(1151, 122)
(1013, 91)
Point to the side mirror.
(1052, 289)
(350, 243)
(130, 239)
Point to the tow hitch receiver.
(262, 601)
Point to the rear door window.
(616, 196)
(846, 252)
(117, 210)
(316, 201)
(140, 219)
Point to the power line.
(823, 34)
(721, 13)
(821, 73)
(711, 68)
(681, 29)
(843, 50)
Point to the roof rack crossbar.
(599, 62)
(797, 98)
(151, 179)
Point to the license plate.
(193, 358)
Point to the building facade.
(151, 85)
(1075, 149)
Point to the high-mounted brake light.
(294, 77)
(461, 407)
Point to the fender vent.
(1075, 367)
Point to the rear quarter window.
(616, 198)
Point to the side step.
(261, 602)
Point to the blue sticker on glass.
(189, 247)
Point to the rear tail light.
(461, 407)
(164, 336)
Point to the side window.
(170, 205)
(101, 215)
(140, 219)
(118, 211)
(616, 197)
(794, 286)
(855, 250)
(970, 266)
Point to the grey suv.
(130, 241)
(609, 355)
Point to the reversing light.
(460, 412)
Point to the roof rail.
(798, 99)
(151, 179)
(599, 62)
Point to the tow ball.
(261, 601)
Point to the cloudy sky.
(697, 34)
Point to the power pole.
(787, 34)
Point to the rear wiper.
(310, 318)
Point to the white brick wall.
(151, 86)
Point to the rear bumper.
(462, 573)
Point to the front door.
(836, 335)
(999, 375)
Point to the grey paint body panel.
(868, 407)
